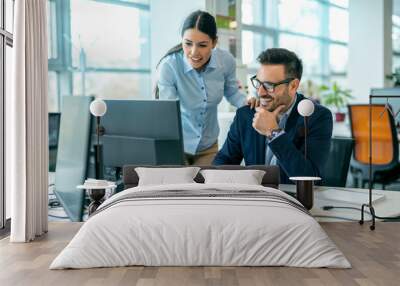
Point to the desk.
(386, 207)
(341, 129)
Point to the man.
(274, 134)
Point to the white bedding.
(200, 231)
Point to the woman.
(198, 74)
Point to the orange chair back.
(382, 138)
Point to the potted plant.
(336, 96)
(311, 90)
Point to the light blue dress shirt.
(199, 94)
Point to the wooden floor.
(374, 255)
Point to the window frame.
(264, 30)
(395, 53)
(63, 65)
(6, 39)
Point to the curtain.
(27, 123)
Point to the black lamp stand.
(375, 93)
(369, 205)
(98, 150)
(304, 187)
(305, 136)
(97, 195)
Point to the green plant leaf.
(334, 95)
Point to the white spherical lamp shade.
(98, 107)
(305, 107)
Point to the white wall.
(370, 46)
(168, 17)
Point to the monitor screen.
(389, 96)
(147, 132)
(54, 127)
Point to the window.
(301, 16)
(90, 56)
(396, 40)
(51, 30)
(6, 42)
(317, 30)
(308, 49)
(9, 15)
(254, 43)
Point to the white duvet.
(200, 231)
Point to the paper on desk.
(98, 183)
(352, 197)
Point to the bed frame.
(270, 179)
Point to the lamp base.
(98, 153)
(372, 211)
(304, 190)
(96, 198)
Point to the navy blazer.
(243, 141)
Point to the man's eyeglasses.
(268, 86)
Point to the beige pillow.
(166, 176)
(248, 177)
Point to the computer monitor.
(147, 132)
(380, 96)
(144, 132)
(54, 128)
(73, 153)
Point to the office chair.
(385, 145)
(337, 165)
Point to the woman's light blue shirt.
(199, 94)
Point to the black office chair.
(337, 166)
(385, 145)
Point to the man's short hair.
(278, 56)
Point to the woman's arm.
(166, 82)
(231, 88)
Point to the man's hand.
(265, 121)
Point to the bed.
(201, 224)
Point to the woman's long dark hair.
(199, 20)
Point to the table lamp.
(98, 108)
(304, 185)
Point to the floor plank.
(374, 255)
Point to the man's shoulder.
(319, 109)
(322, 110)
(245, 112)
(322, 116)
(244, 117)
(317, 106)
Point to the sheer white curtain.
(27, 123)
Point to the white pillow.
(166, 176)
(248, 177)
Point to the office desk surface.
(387, 206)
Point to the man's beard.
(283, 99)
